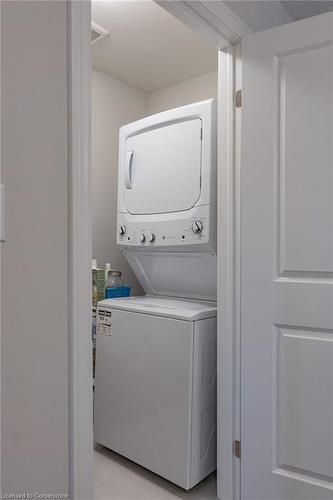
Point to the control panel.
(197, 229)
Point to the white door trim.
(81, 425)
(1, 222)
(212, 20)
(228, 430)
(80, 198)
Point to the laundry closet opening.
(154, 168)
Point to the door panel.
(302, 386)
(165, 160)
(287, 263)
(303, 82)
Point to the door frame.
(2, 220)
(80, 253)
(223, 31)
(228, 274)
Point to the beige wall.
(193, 90)
(114, 104)
(34, 261)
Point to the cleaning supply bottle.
(115, 286)
(107, 269)
(94, 282)
(98, 283)
(114, 279)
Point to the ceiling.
(260, 15)
(150, 49)
(147, 47)
(300, 9)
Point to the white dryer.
(167, 180)
(155, 399)
(167, 201)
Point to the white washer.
(155, 400)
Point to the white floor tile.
(119, 479)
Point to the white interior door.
(287, 263)
(163, 168)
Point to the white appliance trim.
(81, 439)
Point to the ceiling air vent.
(97, 32)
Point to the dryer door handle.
(128, 168)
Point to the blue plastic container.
(117, 291)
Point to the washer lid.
(187, 310)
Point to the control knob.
(122, 230)
(151, 237)
(142, 238)
(197, 227)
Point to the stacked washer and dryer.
(155, 396)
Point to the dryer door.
(162, 168)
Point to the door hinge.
(237, 449)
(238, 98)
